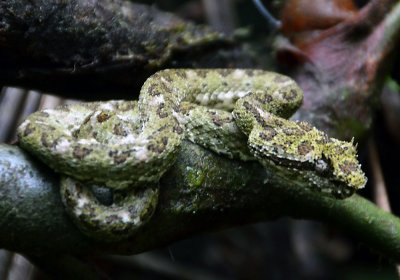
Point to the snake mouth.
(317, 176)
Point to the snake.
(126, 145)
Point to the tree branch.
(201, 192)
(100, 49)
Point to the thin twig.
(221, 15)
(272, 21)
(6, 258)
(379, 187)
(10, 108)
(391, 33)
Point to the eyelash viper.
(128, 145)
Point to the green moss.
(195, 177)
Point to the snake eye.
(322, 167)
(103, 116)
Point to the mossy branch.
(101, 49)
(201, 192)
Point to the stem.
(391, 34)
(374, 227)
(272, 21)
(381, 197)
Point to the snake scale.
(128, 145)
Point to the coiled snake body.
(128, 145)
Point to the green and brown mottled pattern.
(128, 145)
(128, 211)
(329, 165)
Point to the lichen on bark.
(100, 49)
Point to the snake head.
(342, 163)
